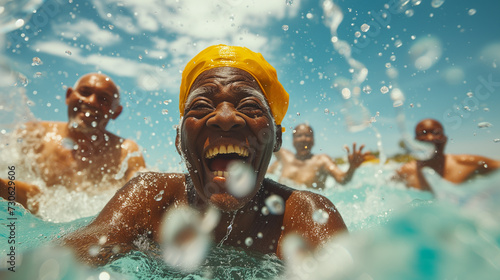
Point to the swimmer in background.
(453, 168)
(231, 105)
(306, 169)
(80, 154)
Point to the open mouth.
(218, 158)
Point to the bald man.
(79, 154)
(454, 168)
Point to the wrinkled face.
(431, 131)
(226, 120)
(303, 139)
(92, 103)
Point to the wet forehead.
(428, 125)
(99, 84)
(241, 83)
(303, 129)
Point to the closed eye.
(200, 105)
(251, 107)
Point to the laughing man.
(232, 105)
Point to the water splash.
(124, 166)
(184, 242)
(356, 115)
(241, 179)
(229, 229)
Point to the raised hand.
(357, 157)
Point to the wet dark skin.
(92, 103)
(224, 111)
(453, 168)
(310, 170)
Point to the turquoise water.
(395, 233)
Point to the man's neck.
(303, 156)
(437, 163)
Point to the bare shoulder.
(481, 162)
(323, 160)
(148, 185)
(129, 145)
(312, 216)
(37, 127)
(302, 199)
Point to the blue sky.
(443, 56)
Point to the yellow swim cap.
(244, 59)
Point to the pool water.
(395, 233)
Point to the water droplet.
(19, 23)
(320, 216)
(327, 111)
(94, 250)
(346, 93)
(496, 140)
(289, 2)
(159, 196)
(264, 211)
(365, 27)
(248, 241)
(398, 43)
(367, 89)
(416, 2)
(484, 125)
(241, 178)
(437, 3)
(94, 124)
(104, 276)
(109, 15)
(93, 137)
(470, 94)
(36, 61)
(260, 235)
(68, 52)
(87, 114)
(357, 34)
(384, 89)
(298, 114)
(472, 12)
(284, 27)
(275, 204)
(409, 12)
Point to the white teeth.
(229, 149)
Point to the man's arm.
(131, 213)
(355, 159)
(19, 191)
(484, 165)
(311, 216)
